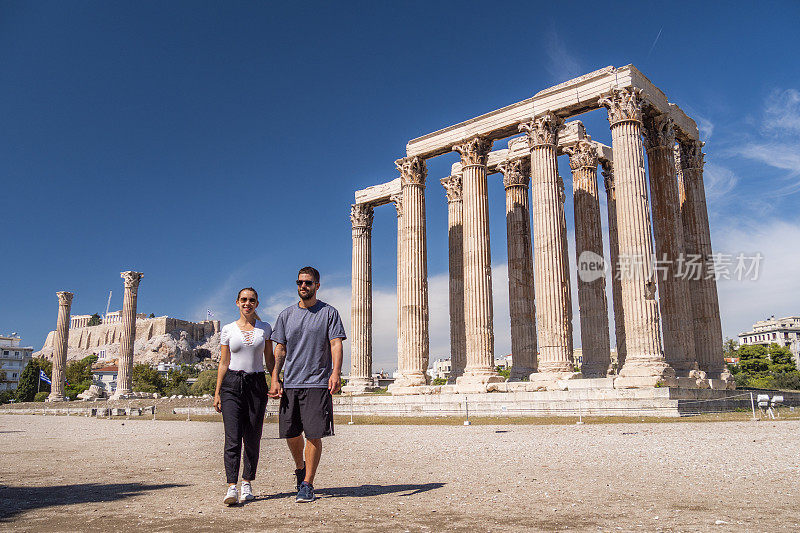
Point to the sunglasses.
(305, 282)
(245, 300)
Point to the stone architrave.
(60, 347)
(397, 199)
(673, 290)
(595, 342)
(478, 314)
(644, 363)
(614, 270)
(413, 366)
(125, 362)
(361, 216)
(516, 177)
(553, 302)
(455, 232)
(697, 244)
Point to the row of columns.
(541, 321)
(61, 341)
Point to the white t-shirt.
(247, 347)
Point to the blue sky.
(215, 145)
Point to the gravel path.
(83, 474)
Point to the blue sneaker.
(300, 474)
(306, 493)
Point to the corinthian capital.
(623, 105)
(691, 154)
(474, 151)
(397, 199)
(582, 155)
(543, 129)
(64, 298)
(516, 172)
(131, 278)
(361, 215)
(452, 188)
(412, 170)
(659, 131)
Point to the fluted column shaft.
(614, 271)
(415, 336)
(60, 344)
(674, 296)
(361, 216)
(455, 232)
(478, 311)
(516, 177)
(125, 363)
(644, 359)
(697, 241)
(553, 305)
(595, 342)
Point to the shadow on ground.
(363, 491)
(16, 500)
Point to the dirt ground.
(61, 473)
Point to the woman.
(241, 394)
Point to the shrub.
(41, 396)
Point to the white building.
(106, 378)
(440, 369)
(781, 331)
(13, 359)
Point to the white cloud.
(782, 111)
(561, 64)
(719, 181)
(705, 126)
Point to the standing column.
(674, 296)
(398, 205)
(593, 305)
(644, 364)
(554, 328)
(455, 233)
(613, 249)
(516, 177)
(60, 348)
(414, 271)
(125, 364)
(697, 239)
(477, 267)
(361, 216)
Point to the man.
(308, 337)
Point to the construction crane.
(105, 316)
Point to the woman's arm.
(224, 361)
(269, 357)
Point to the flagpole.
(38, 382)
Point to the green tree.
(79, 376)
(29, 379)
(147, 379)
(152, 315)
(504, 371)
(753, 359)
(94, 320)
(6, 396)
(206, 383)
(729, 347)
(781, 359)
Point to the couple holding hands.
(308, 339)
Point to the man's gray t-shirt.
(307, 333)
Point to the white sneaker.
(232, 496)
(247, 491)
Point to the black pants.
(244, 400)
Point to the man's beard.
(310, 294)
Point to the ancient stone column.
(516, 177)
(414, 271)
(674, 297)
(60, 348)
(595, 342)
(697, 242)
(361, 216)
(125, 364)
(477, 267)
(397, 199)
(644, 364)
(455, 232)
(614, 271)
(553, 306)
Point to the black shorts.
(307, 410)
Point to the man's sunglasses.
(305, 282)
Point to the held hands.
(334, 383)
(275, 388)
(217, 402)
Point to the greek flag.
(44, 377)
(209, 314)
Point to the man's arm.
(335, 381)
(275, 388)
